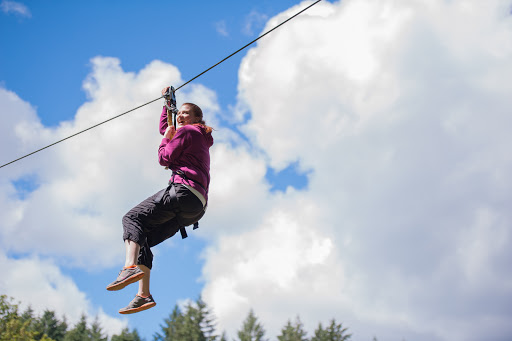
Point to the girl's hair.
(199, 114)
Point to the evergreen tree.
(335, 332)
(172, 326)
(179, 326)
(207, 320)
(28, 315)
(251, 330)
(195, 323)
(50, 326)
(80, 332)
(31, 322)
(293, 332)
(223, 337)
(96, 332)
(192, 324)
(320, 334)
(126, 336)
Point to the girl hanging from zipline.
(184, 150)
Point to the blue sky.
(46, 57)
(360, 169)
(57, 40)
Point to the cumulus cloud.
(84, 186)
(15, 7)
(254, 21)
(63, 206)
(60, 204)
(401, 112)
(221, 28)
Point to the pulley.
(170, 104)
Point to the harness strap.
(175, 204)
(183, 232)
(184, 176)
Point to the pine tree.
(335, 332)
(251, 330)
(223, 337)
(293, 332)
(320, 334)
(195, 323)
(96, 332)
(32, 323)
(193, 320)
(80, 332)
(172, 326)
(207, 320)
(178, 327)
(126, 336)
(28, 315)
(50, 326)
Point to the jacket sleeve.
(170, 150)
(163, 121)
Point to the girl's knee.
(126, 219)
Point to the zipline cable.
(264, 34)
(156, 99)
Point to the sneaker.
(126, 276)
(139, 303)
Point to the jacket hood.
(208, 136)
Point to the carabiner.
(170, 103)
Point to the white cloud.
(87, 183)
(401, 117)
(221, 28)
(278, 258)
(401, 112)
(17, 115)
(15, 7)
(83, 186)
(254, 21)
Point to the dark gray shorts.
(159, 217)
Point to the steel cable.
(156, 99)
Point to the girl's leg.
(132, 252)
(130, 273)
(144, 282)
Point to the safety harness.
(174, 203)
(172, 112)
(174, 200)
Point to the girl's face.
(185, 116)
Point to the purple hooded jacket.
(188, 151)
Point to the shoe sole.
(136, 310)
(128, 281)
